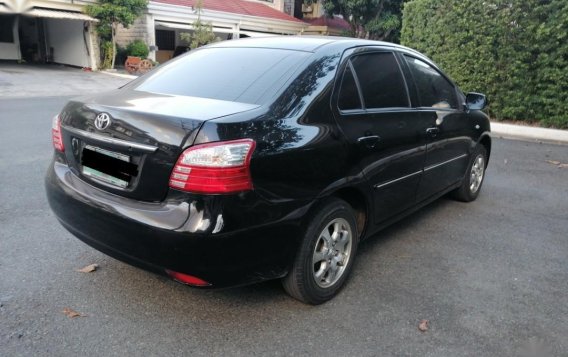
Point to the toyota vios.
(258, 159)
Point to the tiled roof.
(333, 22)
(241, 7)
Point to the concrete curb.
(121, 75)
(530, 133)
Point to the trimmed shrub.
(515, 51)
(137, 48)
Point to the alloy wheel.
(477, 172)
(332, 252)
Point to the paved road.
(25, 81)
(490, 276)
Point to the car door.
(447, 153)
(373, 108)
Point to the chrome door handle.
(433, 131)
(369, 141)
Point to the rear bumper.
(224, 240)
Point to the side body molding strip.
(380, 185)
(445, 162)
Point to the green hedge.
(515, 51)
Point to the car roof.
(305, 43)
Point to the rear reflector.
(214, 168)
(56, 136)
(187, 279)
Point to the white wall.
(66, 38)
(11, 50)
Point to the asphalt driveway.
(27, 81)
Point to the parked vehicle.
(258, 159)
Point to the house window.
(165, 40)
(289, 7)
(6, 28)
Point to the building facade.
(58, 31)
(165, 20)
(48, 31)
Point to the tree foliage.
(202, 32)
(106, 47)
(112, 13)
(516, 51)
(372, 19)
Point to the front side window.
(434, 90)
(381, 80)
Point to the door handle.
(369, 141)
(433, 131)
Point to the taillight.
(214, 168)
(56, 134)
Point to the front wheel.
(471, 185)
(326, 254)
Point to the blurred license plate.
(107, 166)
(87, 171)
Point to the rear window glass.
(233, 74)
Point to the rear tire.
(326, 254)
(473, 179)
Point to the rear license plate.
(87, 171)
(108, 166)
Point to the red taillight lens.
(56, 134)
(214, 168)
(187, 279)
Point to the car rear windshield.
(234, 74)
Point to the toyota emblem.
(102, 121)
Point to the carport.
(168, 39)
(42, 35)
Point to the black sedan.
(259, 159)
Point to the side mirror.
(475, 101)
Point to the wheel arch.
(358, 201)
(485, 140)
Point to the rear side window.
(348, 94)
(433, 88)
(232, 74)
(381, 80)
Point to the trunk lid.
(127, 142)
